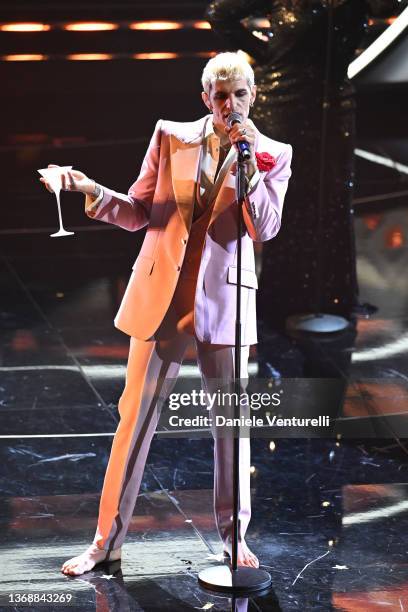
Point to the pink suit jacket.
(163, 198)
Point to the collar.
(210, 131)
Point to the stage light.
(25, 27)
(260, 35)
(385, 39)
(380, 159)
(260, 22)
(272, 446)
(27, 139)
(395, 347)
(90, 26)
(205, 54)
(201, 25)
(104, 370)
(155, 56)
(156, 25)
(374, 515)
(24, 340)
(394, 238)
(90, 56)
(380, 21)
(325, 504)
(372, 221)
(252, 469)
(24, 57)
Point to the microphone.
(243, 146)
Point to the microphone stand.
(222, 578)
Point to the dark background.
(98, 115)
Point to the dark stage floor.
(330, 517)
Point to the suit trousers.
(152, 370)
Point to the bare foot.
(246, 558)
(85, 562)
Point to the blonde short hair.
(225, 67)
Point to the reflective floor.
(330, 516)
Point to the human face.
(229, 96)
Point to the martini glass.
(53, 177)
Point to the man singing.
(184, 283)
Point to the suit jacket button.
(183, 241)
(178, 268)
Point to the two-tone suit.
(183, 282)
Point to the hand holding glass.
(56, 178)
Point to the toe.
(254, 561)
(248, 559)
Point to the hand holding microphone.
(242, 135)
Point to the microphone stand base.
(243, 580)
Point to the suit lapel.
(185, 154)
(223, 191)
(226, 167)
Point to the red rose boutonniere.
(265, 161)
